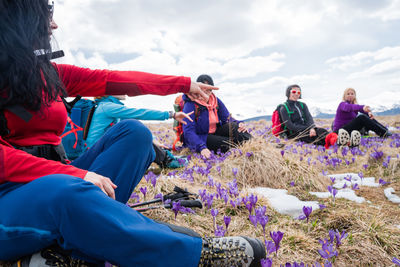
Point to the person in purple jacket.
(212, 128)
(351, 118)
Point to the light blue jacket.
(110, 111)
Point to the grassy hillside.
(371, 229)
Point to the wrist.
(171, 115)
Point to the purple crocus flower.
(270, 246)
(322, 206)
(214, 212)
(325, 264)
(307, 212)
(339, 237)
(219, 231)
(347, 178)
(355, 187)
(176, 206)
(253, 219)
(159, 196)
(135, 197)
(332, 179)
(153, 180)
(234, 171)
(344, 186)
(282, 153)
(144, 191)
(266, 262)
(276, 237)
(249, 154)
(382, 182)
(227, 221)
(361, 175)
(294, 264)
(396, 261)
(292, 183)
(249, 207)
(263, 220)
(260, 211)
(327, 250)
(365, 166)
(333, 191)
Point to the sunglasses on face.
(51, 9)
(296, 92)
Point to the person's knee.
(135, 130)
(363, 117)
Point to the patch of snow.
(392, 129)
(398, 226)
(346, 193)
(389, 193)
(355, 179)
(283, 202)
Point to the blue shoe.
(174, 162)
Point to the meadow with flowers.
(336, 232)
(333, 230)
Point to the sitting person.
(81, 207)
(212, 127)
(351, 118)
(297, 120)
(110, 110)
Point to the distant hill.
(321, 115)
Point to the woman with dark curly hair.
(80, 207)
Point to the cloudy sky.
(253, 49)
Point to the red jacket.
(47, 124)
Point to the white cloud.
(252, 49)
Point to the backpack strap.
(302, 111)
(287, 109)
(71, 104)
(89, 121)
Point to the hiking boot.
(47, 257)
(343, 138)
(174, 162)
(52, 256)
(232, 251)
(355, 138)
(387, 134)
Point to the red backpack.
(278, 126)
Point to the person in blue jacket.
(212, 126)
(111, 110)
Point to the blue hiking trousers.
(80, 217)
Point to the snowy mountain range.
(323, 113)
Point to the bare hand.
(196, 91)
(105, 184)
(180, 116)
(313, 132)
(205, 153)
(159, 144)
(371, 116)
(242, 128)
(367, 109)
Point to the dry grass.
(374, 235)
(374, 238)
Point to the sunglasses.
(51, 9)
(296, 92)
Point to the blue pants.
(80, 217)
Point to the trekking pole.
(181, 194)
(192, 203)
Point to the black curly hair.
(25, 78)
